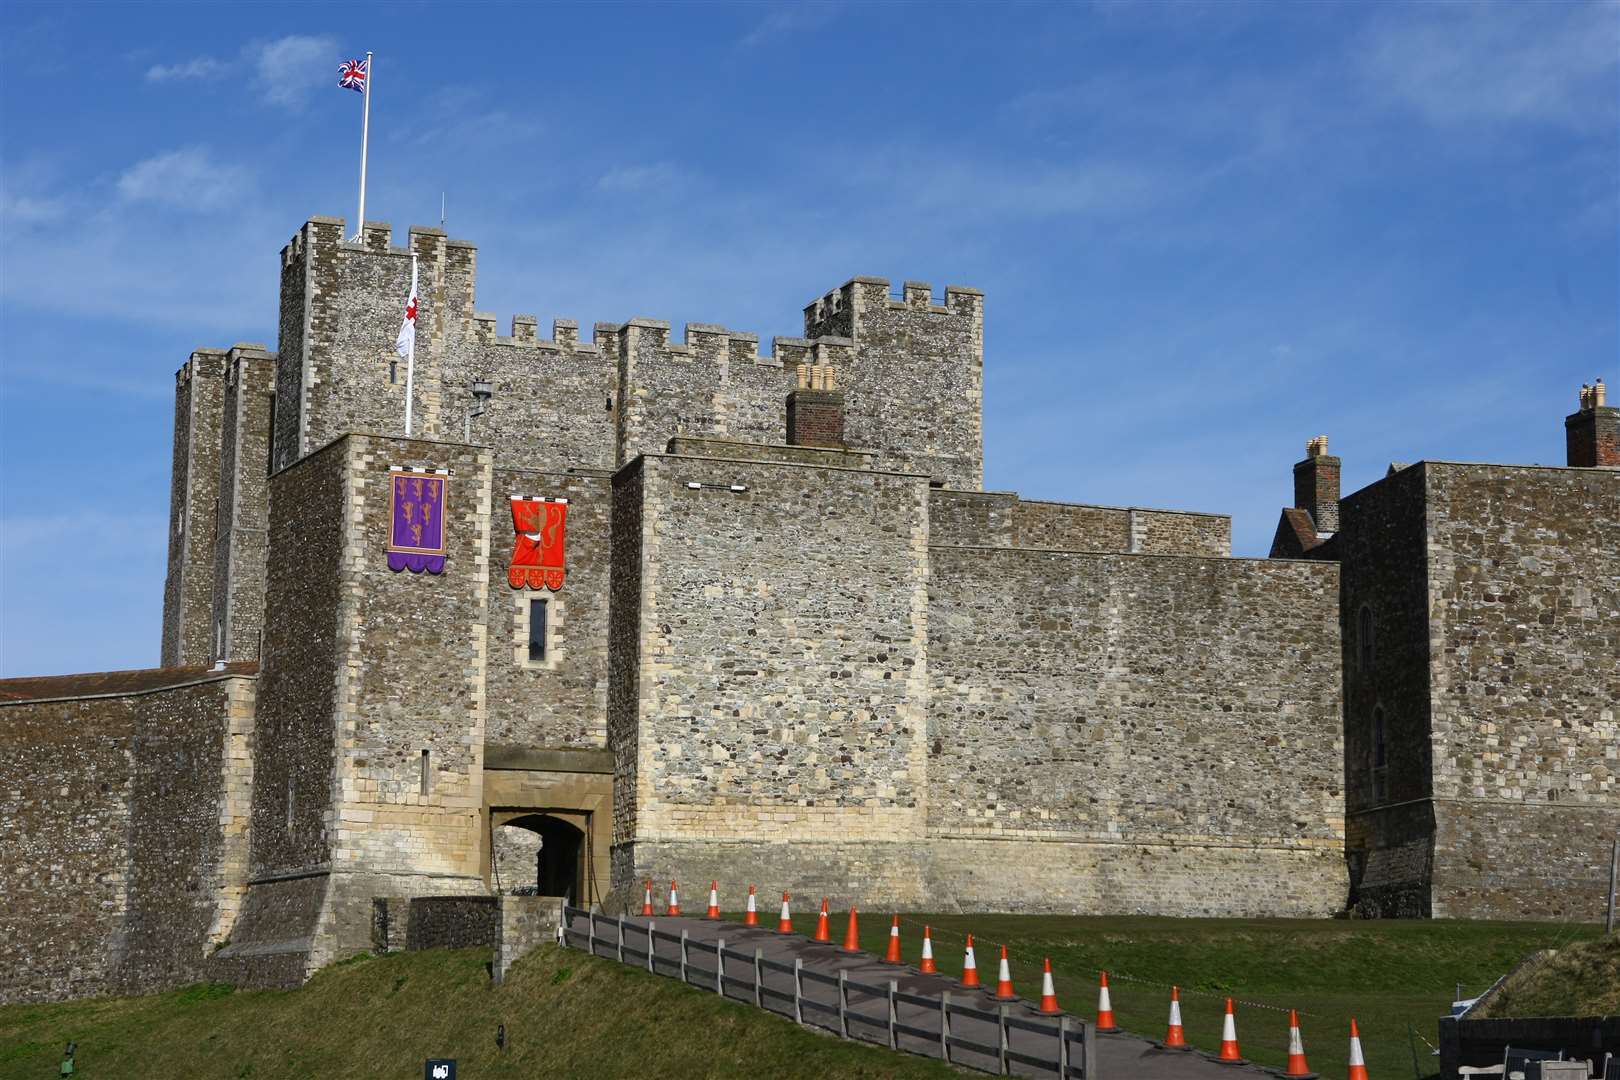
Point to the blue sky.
(1206, 232)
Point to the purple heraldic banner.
(416, 513)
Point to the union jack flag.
(352, 75)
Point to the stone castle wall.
(1152, 714)
(188, 601)
(1002, 519)
(1524, 596)
(1481, 610)
(241, 544)
(561, 701)
(126, 832)
(913, 381)
(1385, 629)
(781, 621)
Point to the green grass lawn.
(1386, 974)
(566, 1015)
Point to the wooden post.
(1001, 1023)
(1614, 885)
(798, 991)
(621, 939)
(720, 966)
(759, 977)
(1088, 1034)
(1063, 1048)
(893, 1038)
(945, 1025)
(684, 979)
(652, 946)
(843, 1003)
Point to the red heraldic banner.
(537, 555)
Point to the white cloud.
(200, 68)
(28, 210)
(288, 69)
(657, 176)
(788, 19)
(1472, 63)
(188, 178)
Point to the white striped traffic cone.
(646, 903)
(714, 901)
(674, 899)
(1358, 1064)
(750, 915)
(1176, 1037)
(1004, 986)
(926, 966)
(784, 922)
(1296, 1050)
(1229, 1046)
(970, 967)
(1105, 1008)
(1048, 991)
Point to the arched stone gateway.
(549, 823)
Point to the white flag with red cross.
(405, 344)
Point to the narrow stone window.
(1380, 756)
(609, 407)
(1364, 636)
(219, 640)
(393, 371)
(537, 631)
(424, 772)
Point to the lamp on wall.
(481, 391)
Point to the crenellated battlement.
(839, 312)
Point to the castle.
(634, 608)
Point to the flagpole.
(410, 355)
(365, 136)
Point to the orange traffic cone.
(1296, 1049)
(1105, 1008)
(926, 966)
(646, 903)
(784, 922)
(674, 899)
(750, 915)
(1004, 987)
(1175, 1037)
(852, 940)
(1358, 1064)
(970, 967)
(1229, 1047)
(822, 933)
(714, 901)
(893, 955)
(1048, 991)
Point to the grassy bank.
(565, 1015)
(1582, 979)
(1386, 974)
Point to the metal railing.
(1074, 1045)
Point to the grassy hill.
(1582, 979)
(565, 1015)
(570, 1015)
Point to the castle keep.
(637, 607)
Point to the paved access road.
(1118, 1057)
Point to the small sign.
(439, 1069)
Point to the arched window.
(1364, 636)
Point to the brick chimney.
(1316, 486)
(815, 411)
(1592, 434)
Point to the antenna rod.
(441, 209)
